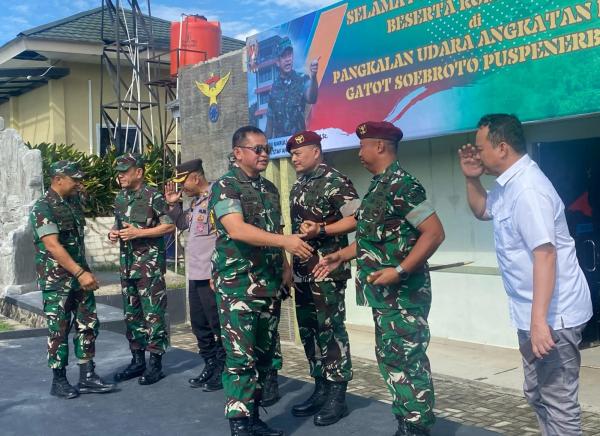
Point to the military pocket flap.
(67, 224)
(139, 215)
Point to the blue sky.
(238, 18)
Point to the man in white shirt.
(545, 285)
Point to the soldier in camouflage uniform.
(249, 269)
(141, 221)
(290, 93)
(270, 386)
(397, 231)
(322, 204)
(65, 280)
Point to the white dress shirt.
(527, 212)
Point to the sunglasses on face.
(258, 149)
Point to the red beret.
(379, 130)
(300, 139)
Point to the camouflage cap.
(128, 160)
(67, 168)
(284, 44)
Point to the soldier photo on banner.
(285, 90)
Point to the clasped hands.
(329, 263)
(127, 233)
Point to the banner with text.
(430, 67)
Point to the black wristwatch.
(403, 274)
(322, 232)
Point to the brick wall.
(98, 249)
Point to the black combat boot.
(406, 428)
(154, 371)
(214, 383)
(401, 426)
(205, 375)
(61, 386)
(260, 428)
(90, 382)
(335, 407)
(240, 427)
(135, 368)
(270, 391)
(314, 403)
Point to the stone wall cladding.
(23, 316)
(21, 186)
(201, 138)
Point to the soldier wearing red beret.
(397, 231)
(322, 205)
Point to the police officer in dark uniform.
(200, 245)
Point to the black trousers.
(205, 320)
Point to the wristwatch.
(322, 232)
(403, 274)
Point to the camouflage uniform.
(287, 103)
(388, 217)
(143, 266)
(277, 362)
(248, 282)
(61, 293)
(323, 196)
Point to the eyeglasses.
(258, 149)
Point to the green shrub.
(100, 182)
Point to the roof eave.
(12, 48)
(47, 45)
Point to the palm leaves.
(100, 182)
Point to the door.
(573, 167)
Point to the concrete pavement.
(494, 366)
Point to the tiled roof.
(86, 27)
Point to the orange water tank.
(200, 41)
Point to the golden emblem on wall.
(211, 88)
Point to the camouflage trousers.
(248, 331)
(62, 307)
(401, 340)
(145, 305)
(277, 361)
(321, 312)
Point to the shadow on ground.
(169, 407)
